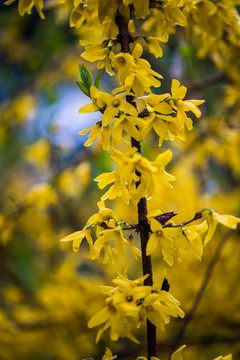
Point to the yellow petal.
(188, 105)
(177, 355)
(73, 236)
(178, 92)
(105, 179)
(137, 52)
(164, 158)
(152, 244)
(99, 318)
(108, 355)
(88, 108)
(211, 230)
(227, 220)
(178, 16)
(196, 243)
(228, 357)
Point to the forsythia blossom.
(177, 355)
(107, 230)
(134, 72)
(166, 113)
(175, 241)
(215, 218)
(26, 6)
(125, 176)
(177, 103)
(130, 304)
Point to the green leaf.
(98, 80)
(85, 75)
(82, 87)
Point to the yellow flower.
(114, 105)
(124, 283)
(141, 7)
(157, 103)
(135, 73)
(111, 234)
(104, 214)
(77, 238)
(173, 14)
(158, 308)
(175, 240)
(228, 357)
(41, 196)
(99, 100)
(107, 229)
(26, 6)
(99, 52)
(215, 218)
(108, 355)
(122, 308)
(124, 64)
(177, 355)
(127, 301)
(178, 93)
(163, 237)
(130, 303)
(124, 177)
(108, 8)
(95, 132)
(78, 14)
(130, 124)
(110, 107)
(192, 234)
(153, 45)
(135, 251)
(119, 325)
(165, 125)
(38, 153)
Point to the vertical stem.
(125, 38)
(147, 269)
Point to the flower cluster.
(130, 303)
(26, 6)
(134, 73)
(214, 218)
(174, 240)
(177, 355)
(127, 181)
(165, 114)
(107, 229)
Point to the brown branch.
(197, 216)
(131, 227)
(125, 39)
(201, 290)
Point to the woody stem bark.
(125, 38)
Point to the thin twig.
(197, 216)
(208, 81)
(201, 290)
